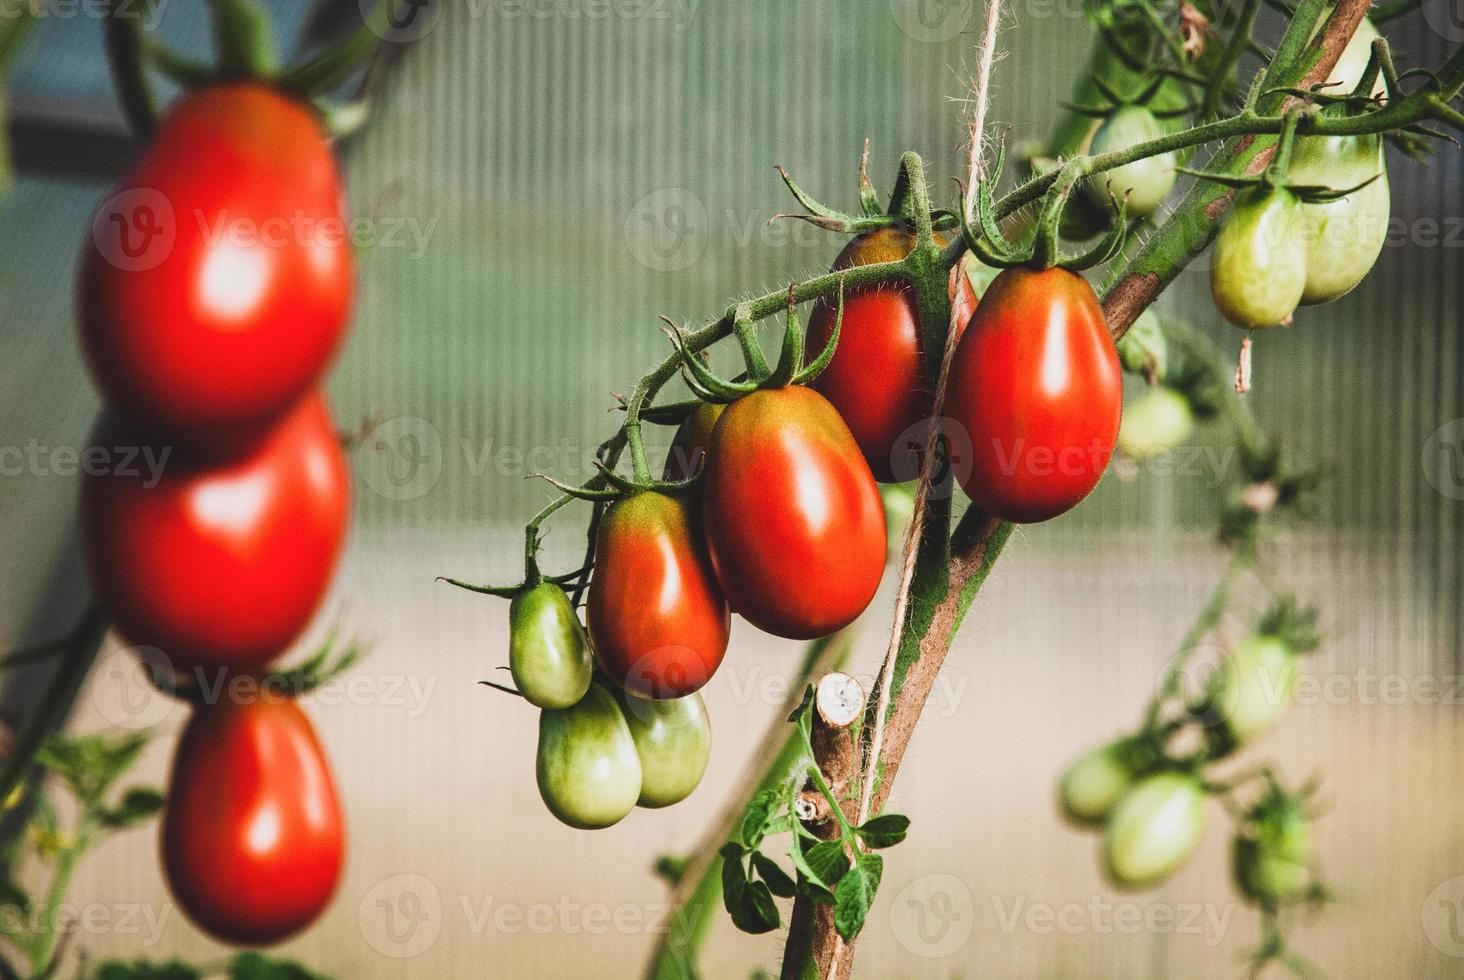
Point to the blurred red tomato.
(217, 563)
(216, 281)
(253, 838)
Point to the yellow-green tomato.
(1155, 422)
(547, 653)
(1343, 237)
(1347, 73)
(588, 771)
(1094, 784)
(1153, 830)
(1272, 863)
(1258, 264)
(1144, 183)
(673, 738)
(1252, 686)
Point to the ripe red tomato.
(253, 839)
(658, 620)
(1037, 385)
(792, 514)
(216, 282)
(217, 563)
(875, 378)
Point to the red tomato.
(217, 563)
(875, 378)
(658, 620)
(253, 839)
(793, 517)
(216, 281)
(1036, 384)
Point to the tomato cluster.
(785, 527)
(1312, 228)
(1150, 804)
(214, 287)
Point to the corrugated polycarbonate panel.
(541, 181)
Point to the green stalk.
(698, 897)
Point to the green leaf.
(734, 876)
(140, 803)
(885, 830)
(755, 817)
(145, 970)
(257, 966)
(855, 894)
(777, 879)
(670, 868)
(826, 862)
(756, 912)
(90, 764)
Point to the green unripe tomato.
(1343, 237)
(588, 771)
(547, 653)
(1273, 864)
(673, 738)
(1094, 784)
(1144, 348)
(1347, 73)
(1258, 265)
(1153, 830)
(1144, 183)
(1252, 686)
(1155, 422)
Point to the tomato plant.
(657, 617)
(1036, 384)
(876, 376)
(587, 768)
(253, 839)
(218, 563)
(792, 514)
(547, 652)
(216, 282)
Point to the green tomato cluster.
(1152, 821)
(1275, 251)
(601, 752)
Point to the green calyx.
(872, 216)
(790, 369)
(245, 49)
(1043, 251)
